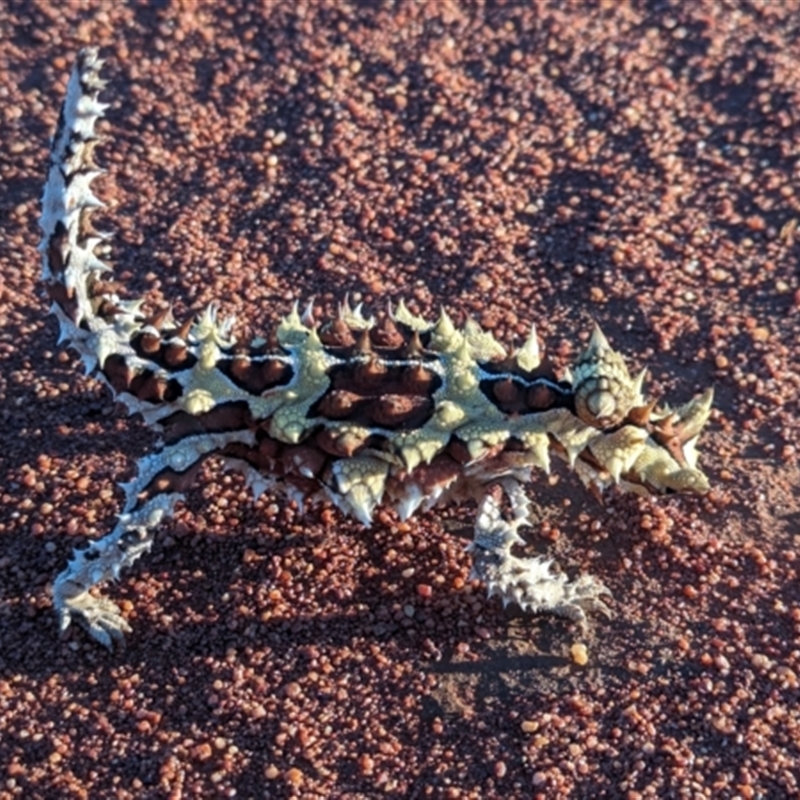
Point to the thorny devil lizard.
(394, 411)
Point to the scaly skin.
(396, 411)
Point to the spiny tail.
(138, 357)
(70, 268)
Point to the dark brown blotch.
(65, 298)
(58, 249)
(368, 375)
(343, 444)
(255, 376)
(177, 356)
(170, 481)
(302, 459)
(151, 388)
(507, 392)
(540, 398)
(222, 418)
(165, 353)
(397, 411)
(104, 288)
(338, 404)
(387, 334)
(242, 452)
(416, 379)
(337, 334)
(457, 450)
(268, 448)
(118, 373)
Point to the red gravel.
(632, 163)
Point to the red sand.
(636, 165)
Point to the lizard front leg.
(527, 581)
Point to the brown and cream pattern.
(392, 410)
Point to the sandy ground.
(636, 164)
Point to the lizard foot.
(100, 617)
(531, 584)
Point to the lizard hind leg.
(162, 478)
(527, 581)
